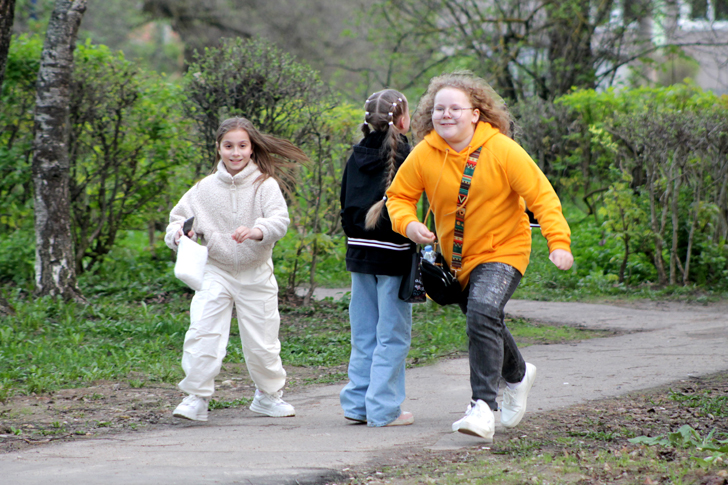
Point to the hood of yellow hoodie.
(483, 132)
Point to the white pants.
(254, 292)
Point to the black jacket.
(378, 251)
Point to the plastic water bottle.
(428, 254)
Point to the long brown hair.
(383, 110)
(492, 108)
(271, 154)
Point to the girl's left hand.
(242, 233)
(562, 259)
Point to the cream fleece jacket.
(221, 203)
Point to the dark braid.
(382, 111)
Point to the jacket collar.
(246, 177)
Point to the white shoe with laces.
(514, 400)
(193, 408)
(271, 405)
(478, 421)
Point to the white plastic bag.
(190, 265)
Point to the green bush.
(17, 259)
(17, 101)
(648, 165)
(127, 139)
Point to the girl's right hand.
(419, 234)
(177, 237)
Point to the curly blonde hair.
(491, 106)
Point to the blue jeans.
(493, 352)
(381, 332)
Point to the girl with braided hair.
(377, 258)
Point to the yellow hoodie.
(496, 225)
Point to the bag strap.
(457, 241)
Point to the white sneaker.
(192, 407)
(271, 405)
(478, 421)
(514, 400)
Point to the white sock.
(512, 385)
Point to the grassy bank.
(602, 442)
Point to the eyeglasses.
(455, 112)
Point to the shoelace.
(274, 398)
(509, 396)
(473, 410)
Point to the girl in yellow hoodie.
(458, 115)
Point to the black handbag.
(441, 286)
(412, 289)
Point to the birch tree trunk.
(55, 273)
(7, 16)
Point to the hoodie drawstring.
(434, 193)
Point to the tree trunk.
(7, 16)
(625, 260)
(656, 231)
(674, 256)
(570, 48)
(691, 234)
(55, 273)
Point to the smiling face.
(235, 150)
(456, 132)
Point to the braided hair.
(382, 111)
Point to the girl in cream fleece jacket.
(460, 121)
(239, 214)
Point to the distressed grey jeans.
(493, 352)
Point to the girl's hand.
(190, 235)
(242, 233)
(561, 258)
(419, 234)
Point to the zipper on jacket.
(234, 195)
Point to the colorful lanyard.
(457, 242)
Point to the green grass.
(50, 344)
(236, 403)
(706, 403)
